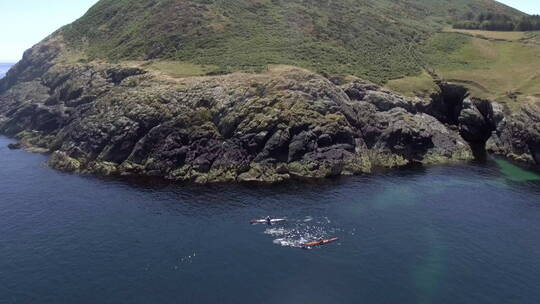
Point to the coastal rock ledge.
(115, 119)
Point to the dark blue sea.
(4, 67)
(467, 234)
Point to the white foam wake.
(296, 233)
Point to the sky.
(24, 23)
(527, 6)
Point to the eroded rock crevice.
(476, 119)
(447, 105)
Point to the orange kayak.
(321, 242)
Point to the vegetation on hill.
(147, 115)
(385, 41)
(492, 67)
(498, 22)
(374, 39)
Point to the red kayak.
(321, 242)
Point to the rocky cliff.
(517, 137)
(281, 124)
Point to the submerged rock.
(14, 146)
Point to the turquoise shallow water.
(458, 234)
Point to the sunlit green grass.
(503, 71)
(510, 36)
(377, 40)
(179, 69)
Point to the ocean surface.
(457, 234)
(4, 67)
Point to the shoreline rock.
(14, 146)
(517, 136)
(287, 123)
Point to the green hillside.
(499, 66)
(376, 39)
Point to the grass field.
(421, 85)
(510, 36)
(179, 69)
(504, 71)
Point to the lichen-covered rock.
(518, 136)
(270, 127)
(418, 138)
(475, 126)
(61, 161)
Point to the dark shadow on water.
(479, 152)
(211, 199)
(293, 185)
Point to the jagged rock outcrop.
(484, 125)
(285, 123)
(447, 105)
(476, 119)
(479, 119)
(518, 136)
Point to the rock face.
(282, 124)
(518, 136)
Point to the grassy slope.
(507, 71)
(490, 35)
(375, 39)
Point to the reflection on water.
(429, 271)
(515, 173)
